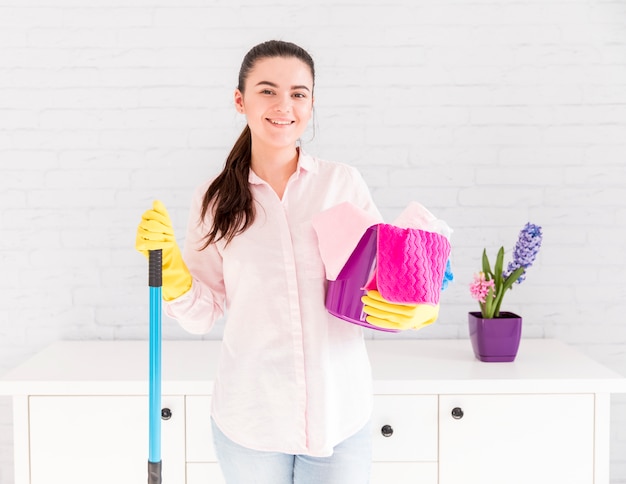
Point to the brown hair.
(229, 197)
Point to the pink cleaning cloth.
(410, 265)
(339, 230)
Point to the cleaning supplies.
(392, 277)
(410, 265)
(383, 314)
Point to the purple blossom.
(526, 250)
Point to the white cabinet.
(404, 445)
(517, 439)
(100, 439)
(206, 473)
(404, 440)
(440, 416)
(202, 466)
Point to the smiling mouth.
(280, 122)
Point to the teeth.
(283, 123)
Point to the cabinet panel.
(517, 439)
(208, 473)
(404, 473)
(101, 439)
(412, 421)
(199, 436)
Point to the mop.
(154, 396)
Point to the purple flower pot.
(497, 339)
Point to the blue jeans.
(350, 463)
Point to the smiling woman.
(293, 397)
(257, 79)
(277, 100)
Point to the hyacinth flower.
(526, 250)
(481, 288)
(496, 282)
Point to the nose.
(283, 103)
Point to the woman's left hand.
(385, 314)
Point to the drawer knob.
(457, 413)
(166, 414)
(386, 430)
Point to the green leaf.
(486, 266)
(495, 307)
(498, 270)
(489, 306)
(512, 278)
(482, 309)
(508, 283)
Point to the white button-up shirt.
(292, 378)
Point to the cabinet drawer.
(199, 436)
(204, 474)
(405, 428)
(404, 473)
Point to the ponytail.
(229, 196)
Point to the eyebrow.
(271, 84)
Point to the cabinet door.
(205, 473)
(404, 439)
(516, 439)
(405, 428)
(199, 435)
(101, 440)
(404, 473)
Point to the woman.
(292, 398)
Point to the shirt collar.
(305, 162)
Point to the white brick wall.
(490, 113)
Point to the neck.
(276, 165)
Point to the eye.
(299, 95)
(267, 91)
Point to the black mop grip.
(155, 268)
(154, 471)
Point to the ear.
(238, 96)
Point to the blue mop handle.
(155, 281)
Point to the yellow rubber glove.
(155, 232)
(385, 314)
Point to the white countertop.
(398, 366)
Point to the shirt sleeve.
(198, 309)
(362, 196)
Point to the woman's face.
(277, 101)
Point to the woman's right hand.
(155, 232)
